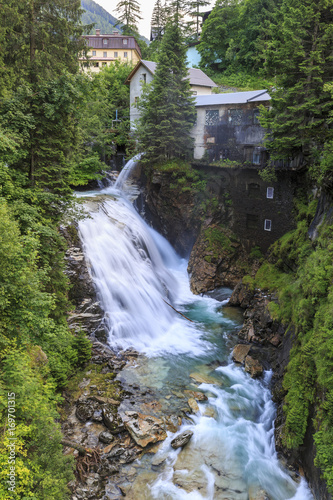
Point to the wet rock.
(193, 405)
(84, 411)
(115, 452)
(256, 493)
(181, 440)
(210, 412)
(199, 396)
(240, 352)
(253, 367)
(159, 459)
(202, 379)
(173, 422)
(241, 296)
(144, 429)
(106, 437)
(112, 421)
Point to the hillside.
(94, 13)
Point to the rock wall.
(270, 342)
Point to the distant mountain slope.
(94, 13)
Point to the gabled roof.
(232, 98)
(196, 76)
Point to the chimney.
(98, 32)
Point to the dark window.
(212, 117)
(256, 159)
(96, 64)
(144, 77)
(270, 193)
(256, 114)
(235, 116)
(252, 221)
(254, 190)
(104, 64)
(268, 225)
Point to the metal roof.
(112, 42)
(196, 76)
(232, 98)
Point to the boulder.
(199, 396)
(105, 437)
(240, 352)
(144, 429)
(193, 405)
(84, 410)
(181, 440)
(203, 379)
(253, 367)
(112, 421)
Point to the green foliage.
(167, 109)
(99, 17)
(38, 436)
(256, 253)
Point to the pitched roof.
(232, 98)
(112, 42)
(196, 76)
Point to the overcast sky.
(146, 10)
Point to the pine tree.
(300, 55)
(129, 14)
(158, 21)
(167, 107)
(195, 8)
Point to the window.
(235, 116)
(94, 52)
(136, 99)
(212, 117)
(105, 54)
(105, 41)
(256, 113)
(252, 221)
(270, 193)
(144, 77)
(125, 55)
(256, 157)
(116, 54)
(104, 64)
(268, 225)
(125, 41)
(96, 65)
(194, 92)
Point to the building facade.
(228, 128)
(144, 72)
(103, 50)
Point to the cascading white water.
(138, 277)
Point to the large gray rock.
(181, 440)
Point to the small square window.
(94, 52)
(125, 55)
(105, 42)
(268, 225)
(270, 193)
(116, 54)
(125, 41)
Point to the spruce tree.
(300, 55)
(158, 20)
(167, 105)
(195, 6)
(129, 14)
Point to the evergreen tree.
(158, 21)
(129, 14)
(167, 107)
(195, 8)
(300, 55)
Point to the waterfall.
(142, 283)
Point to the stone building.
(228, 127)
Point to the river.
(142, 283)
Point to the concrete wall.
(135, 91)
(229, 132)
(245, 193)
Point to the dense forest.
(56, 133)
(99, 17)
